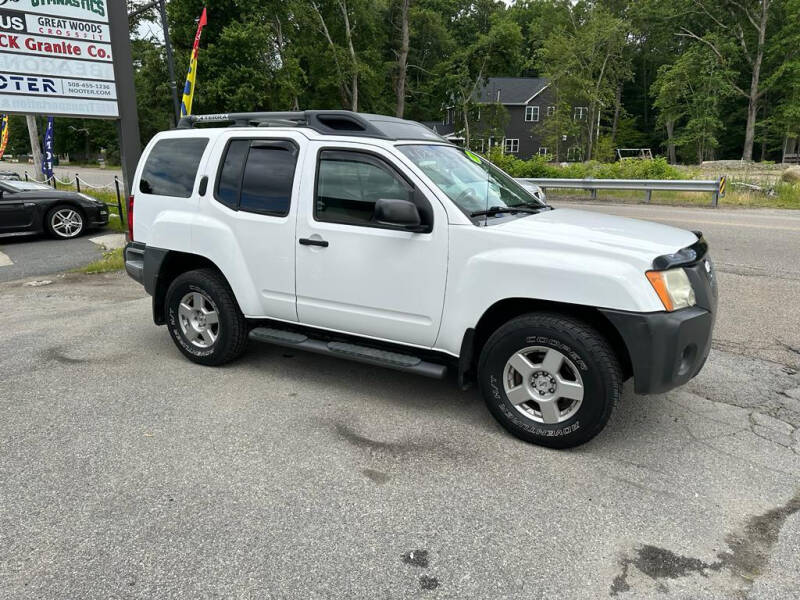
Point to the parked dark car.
(31, 207)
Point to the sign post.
(70, 59)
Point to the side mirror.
(402, 214)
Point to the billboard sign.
(56, 58)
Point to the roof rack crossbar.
(322, 121)
(326, 122)
(243, 119)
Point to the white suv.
(371, 238)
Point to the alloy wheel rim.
(198, 319)
(67, 222)
(543, 385)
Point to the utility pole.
(36, 150)
(173, 86)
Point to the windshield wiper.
(494, 210)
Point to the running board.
(358, 353)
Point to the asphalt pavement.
(39, 255)
(128, 472)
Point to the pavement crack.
(788, 347)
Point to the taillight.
(130, 218)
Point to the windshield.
(469, 180)
(24, 186)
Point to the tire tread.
(599, 349)
(215, 283)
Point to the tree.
(690, 90)
(402, 60)
(747, 22)
(587, 60)
(491, 54)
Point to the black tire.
(48, 222)
(232, 328)
(589, 352)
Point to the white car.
(371, 238)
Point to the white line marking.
(5, 261)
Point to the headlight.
(89, 198)
(673, 288)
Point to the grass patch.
(111, 261)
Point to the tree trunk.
(617, 108)
(465, 109)
(670, 125)
(591, 119)
(36, 149)
(353, 60)
(750, 128)
(753, 98)
(326, 32)
(402, 60)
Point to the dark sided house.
(516, 114)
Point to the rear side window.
(171, 167)
(257, 176)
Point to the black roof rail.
(330, 122)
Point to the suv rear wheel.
(204, 319)
(550, 379)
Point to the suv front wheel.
(204, 319)
(550, 379)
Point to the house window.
(575, 154)
(551, 110)
(543, 151)
(532, 113)
(511, 145)
(491, 143)
(580, 113)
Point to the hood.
(48, 195)
(607, 233)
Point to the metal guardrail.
(716, 187)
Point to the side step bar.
(364, 354)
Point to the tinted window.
(257, 176)
(349, 184)
(171, 167)
(230, 175)
(268, 178)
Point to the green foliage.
(627, 168)
(686, 63)
(688, 92)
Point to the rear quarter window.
(171, 167)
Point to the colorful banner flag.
(191, 76)
(3, 134)
(47, 150)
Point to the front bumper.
(666, 349)
(98, 216)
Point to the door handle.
(310, 242)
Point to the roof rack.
(328, 122)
